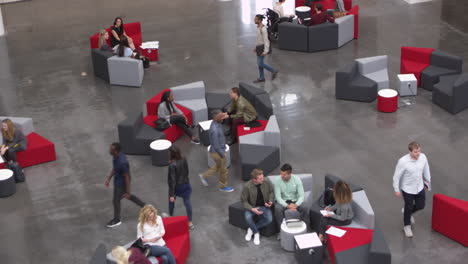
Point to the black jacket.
(178, 174)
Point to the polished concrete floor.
(59, 214)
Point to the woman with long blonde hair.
(151, 231)
(130, 256)
(13, 141)
(103, 37)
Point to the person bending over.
(169, 111)
(240, 111)
(151, 231)
(320, 17)
(257, 199)
(342, 210)
(129, 256)
(13, 141)
(118, 31)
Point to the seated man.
(257, 198)
(289, 194)
(241, 111)
(320, 17)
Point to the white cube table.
(408, 85)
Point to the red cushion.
(449, 216)
(177, 237)
(300, 3)
(355, 11)
(414, 60)
(133, 30)
(354, 237)
(348, 4)
(241, 131)
(39, 150)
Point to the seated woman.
(118, 31)
(13, 141)
(169, 111)
(151, 231)
(123, 49)
(103, 37)
(342, 211)
(320, 17)
(130, 256)
(278, 8)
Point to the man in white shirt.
(262, 48)
(412, 176)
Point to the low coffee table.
(408, 85)
(387, 100)
(287, 235)
(7, 183)
(160, 152)
(308, 249)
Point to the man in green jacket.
(289, 194)
(241, 111)
(257, 199)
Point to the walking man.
(217, 153)
(121, 174)
(262, 48)
(412, 177)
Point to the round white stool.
(303, 12)
(287, 235)
(211, 162)
(160, 152)
(7, 183)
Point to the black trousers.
(119, 191)
(326, 221)
(10, 154)
(179, 121)
(413, 203)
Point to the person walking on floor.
(121, 174)
(257, 198)
(410, 180)
(217, 153)
(262, 48)
(179, 183)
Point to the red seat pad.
(241, 131)
(177, 237)
(355, 11)
(414, 60)
(39, 150)
(354, 237)
(449, 217)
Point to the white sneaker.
(412, 218)
(257, 239)
(249, 234)
(408, 231)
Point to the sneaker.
(259, 80)
(257, 239)
(408, 231)
(249, 234)
(203, 180)
(412, 218)
(114, 223)
(227, 189)
(273, 76)
(195, 141)
(191, 226)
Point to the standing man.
(121, 174)
(262, 48)
(412, 176)
(217, 153)
(289, 194)
(240, 111)
(257, 199)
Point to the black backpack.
(327, 198)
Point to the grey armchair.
(125, 71)
(441, 64)
(99, 59)
(350, 85)
(292, 36)
(451, 93)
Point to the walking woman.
(118, 31)
(151, 231)
(13, 141)
(262, 48)
(179, 183)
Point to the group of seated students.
(319, 17)
(286, 197)
(13, 141)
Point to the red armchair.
(415, 60)
(173, 132)
(133, 30)
(449, 217)
(177, 237)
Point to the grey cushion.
(451, 93)
(323, 37)
(198, 108)
(379, 251)
(257, 138)
(375, 68)
(99, 60)
(190, 91)
(263, 106)
(345, 29)
(292, 36)
(357, 255)
(272, 134)
(431, 76)
(364, 216)
(217, 101)
(99, 256)
(349, 85)
(237, 218)
(125, 71)
(266, 158)
(249, 92)
(445, 60)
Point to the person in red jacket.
(320, 17)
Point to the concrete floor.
(59, 214)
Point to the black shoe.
(259, 80)
(114, 223)
(273, 76)
(195, 141)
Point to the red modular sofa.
(177, 237)
(133, 30)
(449, 217)
(173, 132)
(415, 60)
(327, 4)
(353, 238)
(39, 150)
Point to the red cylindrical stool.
(387, 100)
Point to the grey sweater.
(18, 139)
(163, 112)
(343, 212)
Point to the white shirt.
(127, 51)
(262, 38)
(150, 232)
(278, 8)
(411, 175)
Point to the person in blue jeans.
(262, 48)
(257, 199)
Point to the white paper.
(335, 231)
(308, 240)
(205, 125)
(325, 212)
(150, 45)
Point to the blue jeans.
(265, 219)
(164, 253)
(188, 207)
(261, 66)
